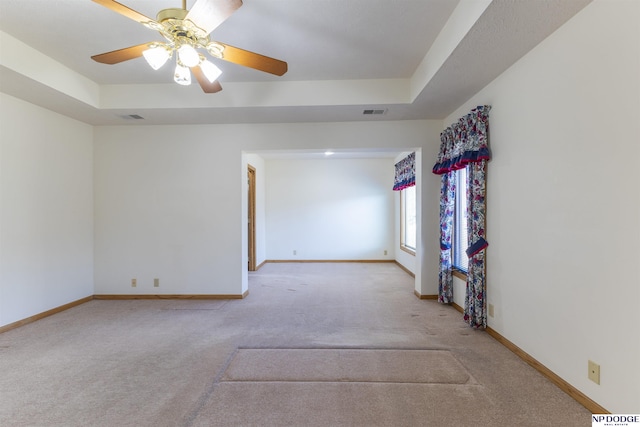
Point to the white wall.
(171, 200)
(46, 210)
(563, 202)
(428, 198)
(168, 207)
(330, 209)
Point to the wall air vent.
(374, 112)
(132, 117)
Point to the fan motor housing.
(174, 23)
(172, 13)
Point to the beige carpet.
(347, 365)
(312, 345)
(351, 404)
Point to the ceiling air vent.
(132, 117)
(374, 112)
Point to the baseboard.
(576, 394)
(170, 296)
(330, 260)
(259, 266)
(72, 304)
(420, 296)
(44, 314)
(406, 270)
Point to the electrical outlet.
(385, 252)
(295, 252)
(156, 282)
(594, 372)
(134, 283)
(490, 310)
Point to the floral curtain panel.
(405, 173)
(447, 206)
(475, 304)
(465, 144)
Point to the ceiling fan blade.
(124, 10)
(253, 60)
(208, 14)
(121, 55)
(205, 84)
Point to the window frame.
(403, 246)
(461, 191)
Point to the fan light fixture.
(188, 56)
(210, 71)
(186, 35)
(157, 55)
(183, 37)
(182, 76)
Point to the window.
(408, 219)
(460, 243)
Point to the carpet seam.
(347, 348)
(351, 382)
(209, 391)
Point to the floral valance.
(405, 173)
(464, 142)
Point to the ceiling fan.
(185, 32)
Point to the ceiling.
(412, 59)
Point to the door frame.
(251, 217)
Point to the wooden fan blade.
(124, 10)
(208, 14)
(205, 84)
(121, 55)
(253, 60)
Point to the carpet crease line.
(209, 391)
